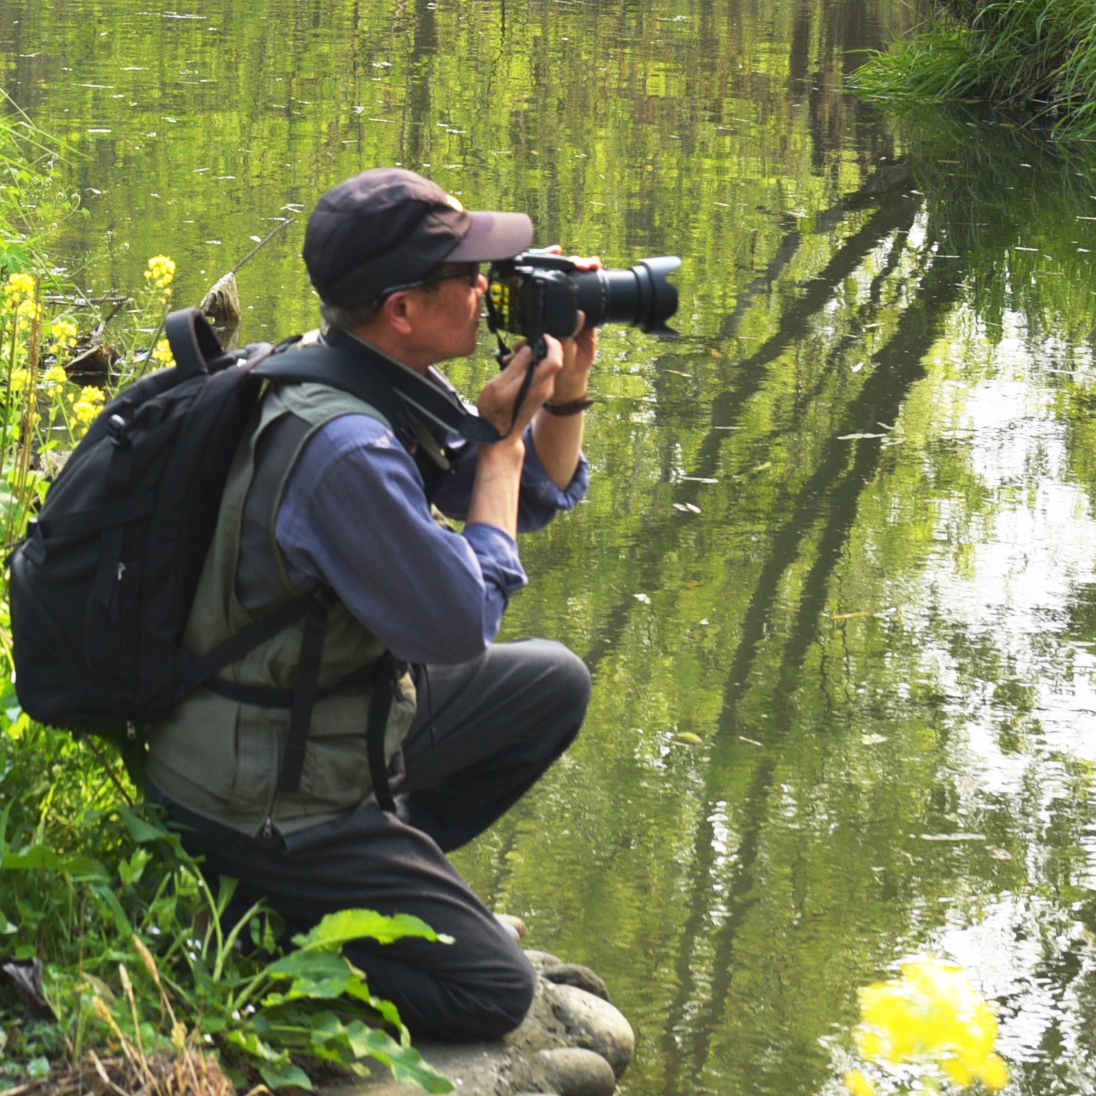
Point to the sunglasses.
(471, 271)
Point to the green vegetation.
(113, 957)
(1035, 59)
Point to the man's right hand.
(498, 471)
(496, 401)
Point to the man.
(333, 494)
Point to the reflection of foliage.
(1016, 210)
(932, 1018)
(1034, 56)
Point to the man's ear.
(396, 313)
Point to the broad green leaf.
(406, 1063)
(140, 829)
(279, 1076)
(250, 1043)
(43, 858)
(315, 967)
(340, 928)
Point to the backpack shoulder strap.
(357, 369)
(194, 344)
(337, 368)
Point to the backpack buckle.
(116, 429)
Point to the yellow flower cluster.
(18, 288)
(54, 377)
(932, 1015)
(160, 272)
(19, 295)
(88, 405)
(63, 334)
(162, 353)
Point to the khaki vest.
(219, 758)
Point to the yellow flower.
(18, 288)
(160, 272)
(162, 352)
(994, 1073)
(933, 1015)
(88, 405)
(20, 379)
(63, 334)
(54, 377)
(858, 1084)
(20, 297)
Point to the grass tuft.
(1034, 59)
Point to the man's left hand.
(580, 349)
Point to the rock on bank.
(572, 1043)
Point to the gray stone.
(541, 959)
(574, 974)
(572, 1071)
(572, 1043)
(594, 1024)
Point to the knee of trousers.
(568, 680)
(478, 1008)
(506, 1010)
(560, 698)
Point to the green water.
(835, 574)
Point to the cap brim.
(493, 236)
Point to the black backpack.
(101, 586)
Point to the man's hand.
(558, 439)
(497, 400)
(498, 470)
(561, 377)
(579, 350)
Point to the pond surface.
(835, 576)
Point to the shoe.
(513, 926)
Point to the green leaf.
(43, 858)
(322, 974)
(140, 829)
(38, 1068)
(250, 1043)
(406, 1063)
(279, 1076)
(340, 928)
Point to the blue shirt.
(354, 516)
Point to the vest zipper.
(116, 592)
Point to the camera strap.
(420, 394)
(535, 342)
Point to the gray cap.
(388, 226)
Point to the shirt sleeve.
(540, 499)
(354, 516)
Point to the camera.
(538, 292)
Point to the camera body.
(538, 292)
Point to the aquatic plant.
(933, 1020)
(1035, 59)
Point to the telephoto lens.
(541, 293)
(640, 297)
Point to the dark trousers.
(485, 732)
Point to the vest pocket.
(256, 761)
